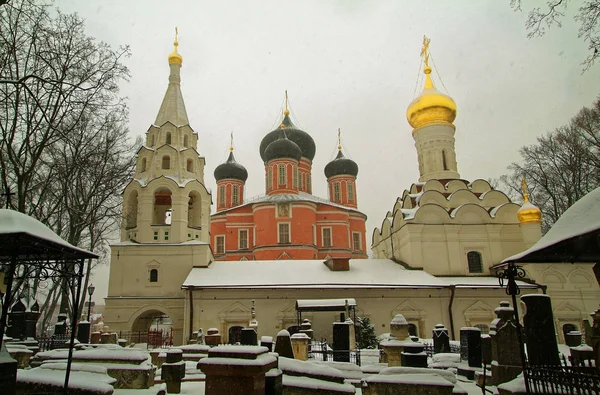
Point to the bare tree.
(63, 134)
(588, 17)
(561, 167)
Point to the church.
(253, 260)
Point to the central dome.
(300, 137)
(282, 148)
(431, 106)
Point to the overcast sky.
(347, 64)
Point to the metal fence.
(558, 379)
(320, 351)
(454, 348)
(53, 342)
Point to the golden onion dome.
(431, 107)
(528, 213)
(174, 57)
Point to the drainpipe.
(190, 293)
(452, 290)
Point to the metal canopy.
(29, 249)
(575, 237)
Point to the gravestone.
(173, 370)
(486, 349)
(237, 370)
(505, 345)
(8, 372)
(470, 346)
(60, 328)
(16, 321)
(213, 337)
(341, 341)
(306, 328)
(573, 339)
(248, 337)
(267, 341)
(414, 355)
(83, 332)
(540, 336)
(441, 339)
(31, 319)
(595, 335)
(300, 342)
(283, 345)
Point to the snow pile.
(52, 380)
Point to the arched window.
(194, 210)
(294, 176)
(168, 137)
(190, 165)
(235, 334)
(336, 192)
(282, 177)
(221, 195)
(154, 275)
(350, 187)
(185, 141)
(270, 178)
(444, 163)
(474, 261)
(412, 330)
(166, 162)
(308, 184)
(143, 165)
(132, 207)
(162, 207)
(235, 195)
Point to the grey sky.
(352, 65)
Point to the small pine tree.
(366, 334)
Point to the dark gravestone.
(573, 339)
(486, 349)
(505, 345)
(306, 328)
(267, 341)
(8, 372)
(60, 328)
(441, 339)
(414, 355)
(173, 370)
(470, 346)
(248, 337)
(17, 326)
(274, 382)
(341, 342)
(542, 347)
(283, 345)
(83, 332)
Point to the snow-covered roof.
(324, 304)
(290, 197)
(363, 273)
(581, 218)
(13, 223)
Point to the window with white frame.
(235, 195)
(356, 241)
(221, 195)
(270, 178)
(282, 176)
(294, 176)
(243, 239)
(336, 191)
(220, 244)
(326, 235)
(474, 261)
(350, 186)
(283, 233)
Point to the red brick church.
(288, 222)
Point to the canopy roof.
(26, 237)
(324, 304)
(575, 237)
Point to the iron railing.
(557, 379)
(454, 348)
(53, 342)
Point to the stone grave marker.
(248, 337)
(283, 345)
(441, 339)
(540, 336)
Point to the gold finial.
(524, 188)
(425, 50)
(231, 143)
(175, 58)
(286, 111)
(282, 126)
(339, 139)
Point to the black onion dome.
(231, 169)
(300, 137)
(282, 148)
(341, 165)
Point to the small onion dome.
(300, 137)
(282, 148)
(231, 169)
(341, 165)
(529, 214)
(431, 106)
(174, 57)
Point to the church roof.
(363, 273)
(573, 238)
(291, 197)
(172, 108)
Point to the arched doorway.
(234, 334)
(194, 210)
(152, 327)
(162, 207)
